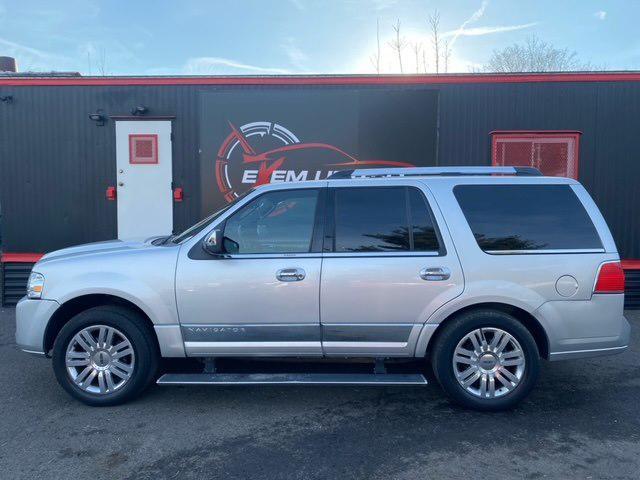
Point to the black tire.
(455, 330)
(139, 334)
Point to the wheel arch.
(79, 304)
(531, 323)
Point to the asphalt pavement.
(582, 421)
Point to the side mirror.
(213, 242)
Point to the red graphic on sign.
(265, 152)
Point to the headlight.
(35, 285)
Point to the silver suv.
(480, 271)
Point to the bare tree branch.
(375, 59)
(398, 43)
(102, 62)
(417, 49)
(434, 23)
(446, 55)
(534, 55)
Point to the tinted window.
(526, 217)
(377, 220)
(276, 222)
(424, 233)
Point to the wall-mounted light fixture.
(6, 99)
(139, 110)
(99, 117)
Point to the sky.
(256, 37)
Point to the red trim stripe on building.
(327, 79)
(21, 257)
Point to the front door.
(262, 296)
(386, 267)
(144, 176)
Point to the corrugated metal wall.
(55, 164)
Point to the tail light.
(610, 278)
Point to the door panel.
(378, 304)
(391, 264)
(144, 176)
(261, 297)
(238, 306)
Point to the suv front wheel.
(486, 360)
(105, 356)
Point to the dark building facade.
(77, 154)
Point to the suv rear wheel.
(105, 356)
(486, 360)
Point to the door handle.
(435, 273)
(290, 274)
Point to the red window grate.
(143, 149)
(555, 154)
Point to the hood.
(111, 246)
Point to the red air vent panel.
(143, 149)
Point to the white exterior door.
(144, 176)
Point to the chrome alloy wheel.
(488, 362)
(100, 359)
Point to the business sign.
(270, 135)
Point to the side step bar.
(292, 379)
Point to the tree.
(398, 43)
(417, 50)
(534, 55)
(446, 55)
(434, 23)
(375, 59)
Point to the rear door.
(388, 263)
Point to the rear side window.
(511, 218)
(383, 219)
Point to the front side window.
(383, 219)
(512, 218)
(276, 222)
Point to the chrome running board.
(292, 379)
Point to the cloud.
(23, 49)
(296, 56)
(219, 65)
(600, 14)
(477, 31)
(34, 59)
(477, 15)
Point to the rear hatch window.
(527, 218)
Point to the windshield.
(202, 224)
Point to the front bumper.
(32, 318)
(590, 328)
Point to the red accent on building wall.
(330, 79)
(21, 257)
(554, 153)
(630, 264)
(143, 149)
(111, 193)
(178, 194)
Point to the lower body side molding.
(292, 379)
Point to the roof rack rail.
(435, 171)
